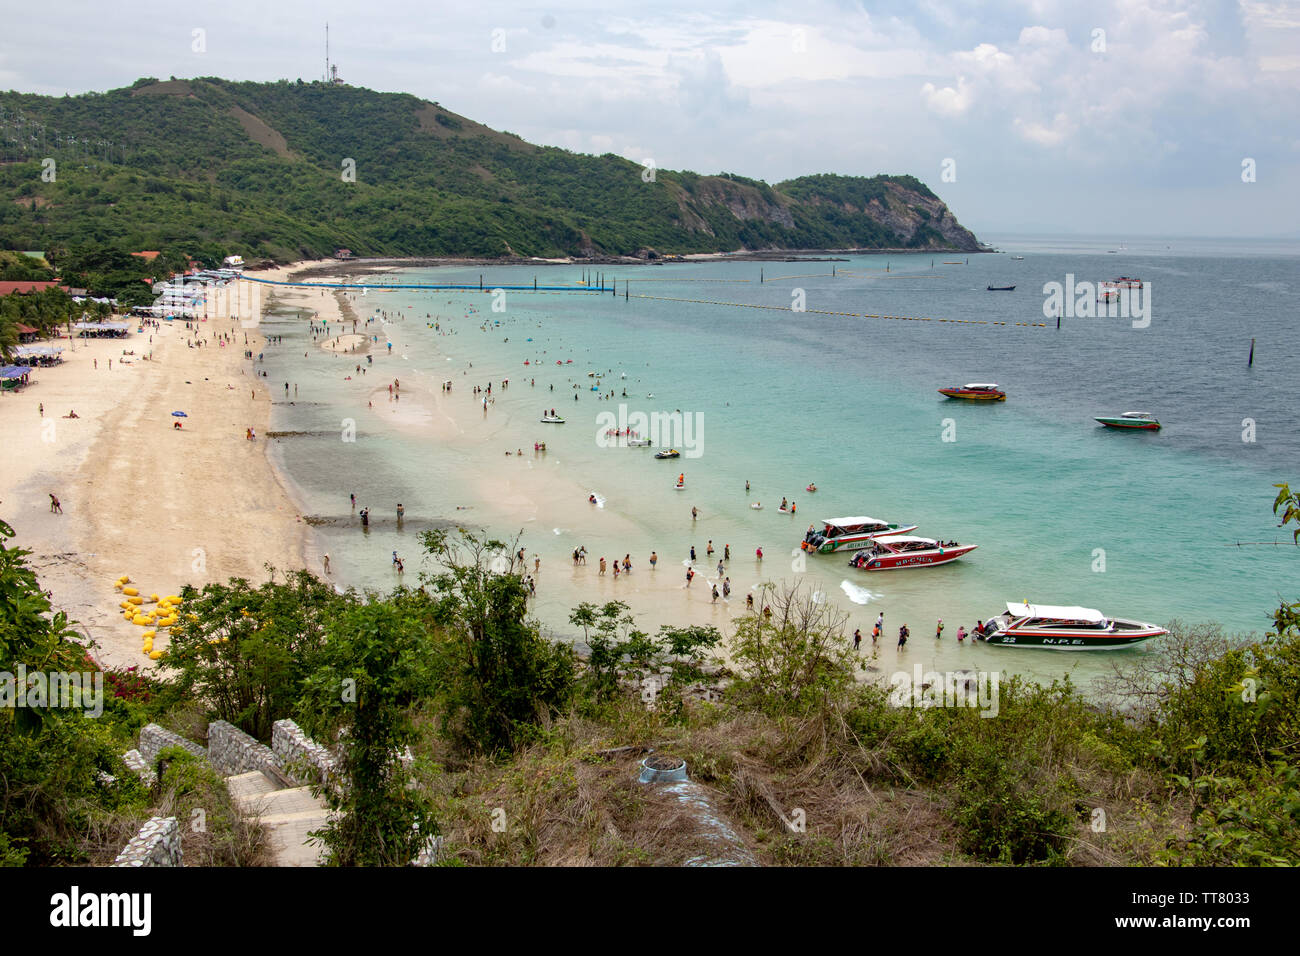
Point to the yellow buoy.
(153, 597)
(148, 635)
(154, 655)
(174, 598)
(130, 591)
(140, 619)
(137, 601)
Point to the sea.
(786, 374)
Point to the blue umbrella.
(179, 415)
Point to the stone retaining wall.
(232, 751)
(300, 757)
(157, 844)
(135, 760)
(154, 739)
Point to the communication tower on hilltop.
(331, 69)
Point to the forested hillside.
(292, 169)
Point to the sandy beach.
(166, 506)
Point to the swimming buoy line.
(849, 315)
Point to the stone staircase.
(288, 814)
(273, 784)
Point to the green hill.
(213, 167)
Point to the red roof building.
(26, 286)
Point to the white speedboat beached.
(1064, 628)
(840, 533)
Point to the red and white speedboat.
(908, 551)
(1064, 628)
(840, 533)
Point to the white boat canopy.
(850, 522)
(981, 385)
(904, 539)
(1055, 613)
(1136, 415)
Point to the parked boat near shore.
(1064, 628)
(840, 533)
(907, 551)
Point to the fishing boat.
(1018, 258)
(907, 551)
(1001, 288)
(1138, 420)
(670, 453)
(976, 392)
(552, 419)
(840, 533)
(1063, 628)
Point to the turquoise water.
(1137, 524)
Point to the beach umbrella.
(179, 415)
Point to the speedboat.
(670, 453)
(1064, 628)
(553, 419)
(976, 392)
(1001, 288)
(1141, 420)
(638, 443)
(845, 532)
(907, 551)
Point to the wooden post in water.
(534, 283)
(760, 274)
(480, 282)
(1251, 363)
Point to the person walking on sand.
(326, 562)
(654, 559)
(690, 574)
(537, 564)
(401, 512)
(353, 496)
(857, 639)
(55, 507)
(42, 409)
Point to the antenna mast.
(327, 52)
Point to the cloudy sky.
(1117, 118)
